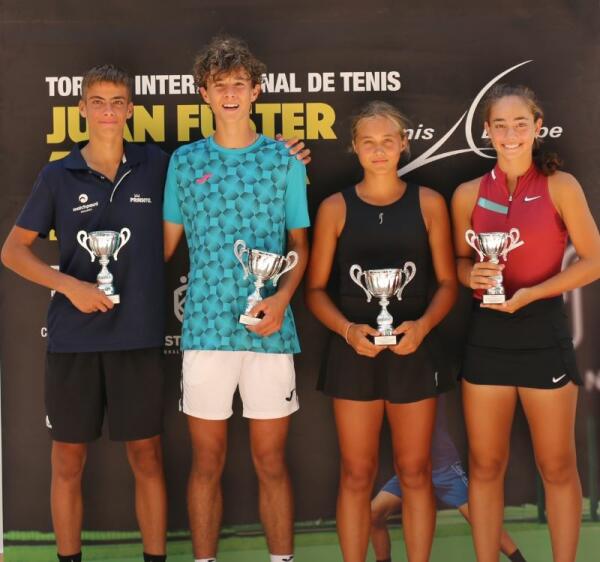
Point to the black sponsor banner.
(324, 60)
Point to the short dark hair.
(224, 54)
(107, 73)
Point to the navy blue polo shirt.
(68, 196)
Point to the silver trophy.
(263, 266)
(105, 244)
(383, 284)
(494, 245)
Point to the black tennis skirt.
(530, 348)
(396, 378)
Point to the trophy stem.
(385, 325)
(105, 277)
(495, 294)
(253, 299)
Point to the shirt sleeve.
(171, 209)
(296, 204)
(38, 213)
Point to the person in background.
(450, 486)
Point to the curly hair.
(107, 73)
(547, 162)
(224, 54)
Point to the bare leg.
(551, 417)
(68, 460)
(412, 427)
(507, 545)
(358, 426)
(382, 506)
(489, 412)
(276, 504)
(205, 499)
(145, 459)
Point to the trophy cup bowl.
(383, 284)
(104, 244)
(264, 266)
(494, 245)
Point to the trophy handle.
(124, 237)
(239, 249)
(512, 242)
(291, 259)
(473, 241)
(82, 238)
(409, 270)
(356, 273)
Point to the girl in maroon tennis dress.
(522, 349)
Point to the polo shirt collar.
(133, 154)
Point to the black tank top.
(379, 237)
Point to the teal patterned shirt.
(220, 195)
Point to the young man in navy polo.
(101, 356)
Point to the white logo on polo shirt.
(137, 198)
(85, 208)
(83, 198)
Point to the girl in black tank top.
(382, 223)
(381, 237)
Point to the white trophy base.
(114, 298)
(385, 340)
(249, 320)
(494, 299)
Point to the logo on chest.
(204, 178)
(137, 198)
(85, 207)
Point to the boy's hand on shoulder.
(273, 310)
(86, 297)
(297, 148)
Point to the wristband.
(347, 330)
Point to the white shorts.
(267, 383)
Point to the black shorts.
(128, 385)
(395, 378)
(530, 348)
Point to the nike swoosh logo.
(527, 199)
(557, 379)
(289, 399)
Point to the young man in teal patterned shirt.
(236, 185)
